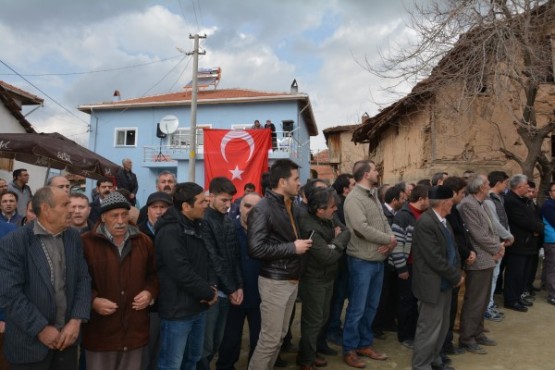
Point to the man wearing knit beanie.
(124, 285)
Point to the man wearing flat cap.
(157, 204)
(435, 273)
(124, 285)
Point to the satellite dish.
(169, 124)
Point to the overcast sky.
(79, 52)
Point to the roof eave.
(123, 105)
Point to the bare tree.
(498, 48)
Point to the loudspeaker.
(287, 125)
(159, 132)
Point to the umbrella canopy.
(55, 151)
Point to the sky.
(78, 52)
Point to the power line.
(44, 93)
(195, 13)
(180, 75)
(93, 71)
(166, 75)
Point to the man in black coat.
(126, 179)
(220, 238)
(435, 272)
(527, 228)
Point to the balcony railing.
(287, 144)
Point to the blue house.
(130, 129)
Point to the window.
(126, 137)
(182, 136)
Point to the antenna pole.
(193, 145)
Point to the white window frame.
(125, 129)
(186, 130)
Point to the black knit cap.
(112, 201)
(440, 192)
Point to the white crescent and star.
(239, 134)
(242, 135)
(236, 173)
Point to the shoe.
(371, 353)
(551, 300)
(409, 343)
(528, 296)
(517, 306)
(485, 341)
(446, 359)
(495, 308)
(320, 361)
(452, 350)
(474, 348)
(281, 362)
(378, 334)
(351, 358)
(492, 316)
(289, 348)
(326, 350)
(525, 302)
(442, 367)
(335, 338)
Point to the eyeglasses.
(63, 186)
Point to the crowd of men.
(103, 285)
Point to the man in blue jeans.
(187, 280)
(371, 241)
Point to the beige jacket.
(368, 225)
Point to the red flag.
(239, 155)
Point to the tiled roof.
(212, 95)
(25, 97)
(7, 98)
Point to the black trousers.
(230, 348)
(517, 276)
(407, 309)
(55, 360)
(387, 308)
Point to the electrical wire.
(195, 13)
(93, 71)
(166, 75)
(44, 93)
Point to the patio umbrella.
(54, 150)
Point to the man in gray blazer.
(489, 249)
(435, 273)
(45, 288)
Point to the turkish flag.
(239, 155)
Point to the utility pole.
(193, 146)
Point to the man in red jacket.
(124, 284)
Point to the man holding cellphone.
(274, 238)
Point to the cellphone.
(311, 235)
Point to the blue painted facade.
(108, 118)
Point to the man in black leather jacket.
(274, 238)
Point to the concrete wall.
(104, 124)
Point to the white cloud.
(258, 45)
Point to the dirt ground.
(526, 341)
